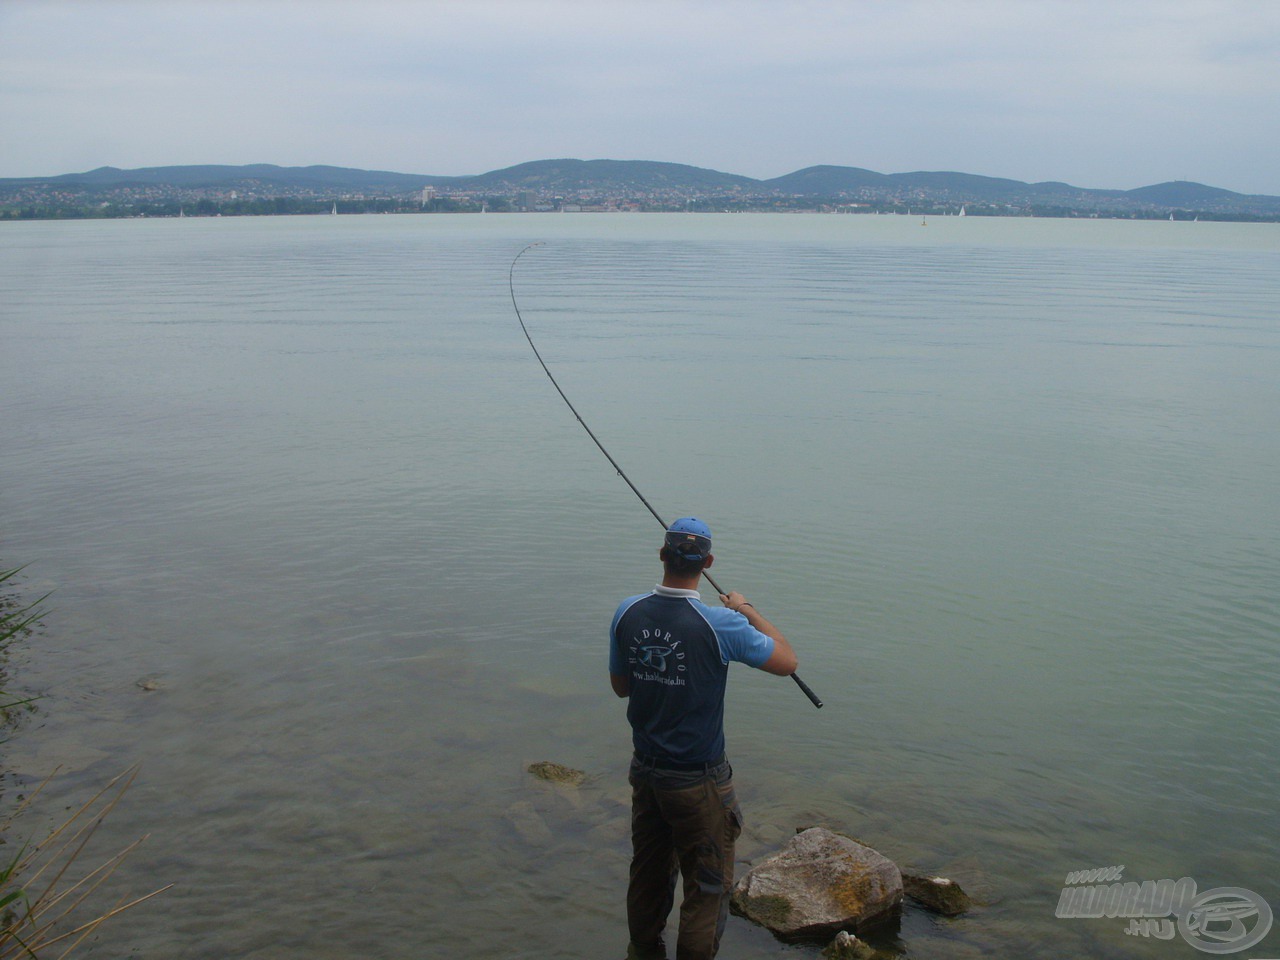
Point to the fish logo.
(655, 657)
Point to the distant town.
(581, 186)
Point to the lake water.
(1010, 486)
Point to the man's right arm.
(783, 661)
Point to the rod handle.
(813, 697)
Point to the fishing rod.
(813, 697)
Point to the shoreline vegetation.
(47, 894)
(18, 619)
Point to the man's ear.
(711, 558)
(662, 554)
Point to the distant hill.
(646, 176)
(837, 181)
(1183, 193)
(829, 181)
(212, 177)
(948, 186)
(965, 187)
(634, 180)
(957, 186)
(970, 188)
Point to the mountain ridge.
(643, 178)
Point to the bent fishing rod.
(813, 697)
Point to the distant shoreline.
(924, 212)
(583, 186)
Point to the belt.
(663, 763)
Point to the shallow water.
(1008, 485)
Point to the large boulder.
(819, 884)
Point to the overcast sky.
(1097, 93)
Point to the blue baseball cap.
(689, 537)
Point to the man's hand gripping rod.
(813, 697)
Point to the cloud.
(1103, 94)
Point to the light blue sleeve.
(617, 663)
(739, 640)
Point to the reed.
(16, 620)
(45, 887)
(45, 891)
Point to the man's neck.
(681, 583)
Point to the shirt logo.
(653, 651)
(655, 657)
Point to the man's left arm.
(619, 675)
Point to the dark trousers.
(685, 822)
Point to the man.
(670, 653)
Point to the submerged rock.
(528, 823)
(937, 894)
(819, 884)
(848, 947)
(557, 773)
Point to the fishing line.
(813, 697)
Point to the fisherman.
(669, 653)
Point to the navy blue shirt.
(675, 652)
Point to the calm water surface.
(1009, 485)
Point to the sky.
(1097, 93)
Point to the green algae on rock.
(557, 773)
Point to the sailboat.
(335, 210)
(961, 213)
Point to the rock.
(819, 884)
(848, 947)
(556, 773)
(148, 683)
(982, 888)
(529, 824)
(937, 894)
(612, 833)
